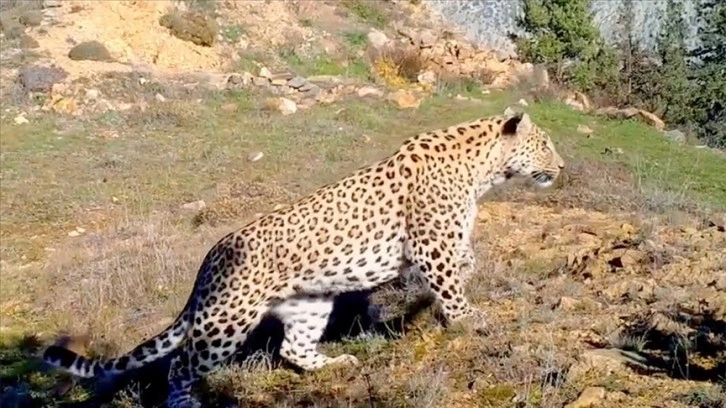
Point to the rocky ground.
(136, 133)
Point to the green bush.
(561, 35)
(708, 73)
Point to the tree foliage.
(561, 34)
(709, 74)
(686, 87)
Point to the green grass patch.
(325, 65)
(655, 161)
(232, 33)
(367, 11)
(356, 39)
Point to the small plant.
(355, 38)
(233, 33)
(397, 67)
(367, 11)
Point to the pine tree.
(709, 73)
(560, 34)
(627, 46)
(675, 87)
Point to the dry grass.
(396, 66)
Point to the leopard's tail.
(148, 351)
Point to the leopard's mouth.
(543, 179)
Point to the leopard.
(414, 208)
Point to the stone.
(282, 105)
(27, 42)
(21, 119)
(194, 205)
(427, 78)
(651, 119)
(589, 397)
(377, 39)
(31, 18)
(160, 98)
(675, 135)
(260, 81)
(584, 129)
(296, 82)
(255, 156)
(90, 51)
(40, 78)
(583, 100)
(627, 113)
(523, 102)
(404, 99)
(425, 39)
(239, 79)
(311, 91)
(91, 94)
(369, 91)
(265, 73)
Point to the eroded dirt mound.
(618, 256)
(131, 32)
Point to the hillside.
(128, 150)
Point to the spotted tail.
(148, 351)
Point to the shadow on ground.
(696, 350)
(351, 317)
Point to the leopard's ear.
(517, 124)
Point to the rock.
(27, 42)
(310, 90)
(574, 105)
(509, 111)
(160, 98)
(236, 79)
(608, 151)
(260, 81)
(296, 82)
(21, 119)
(91, 95)
(76, 232)
(369, 91)
(90, 51)
(255, 156)
(627, 113)
(584, 129)
(31, 18)
(675, 135)
(523, 102)
(651, 119)
(377, 39)
(194, 205)
(265, 73)
(193, 26)
(425, 38)
(63, 105)
(567, 303)
(282, 105)
(583, 100)
(404, 99)
(40, 78)
(427, 78)
(589, 397)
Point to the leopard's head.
(528, 151)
